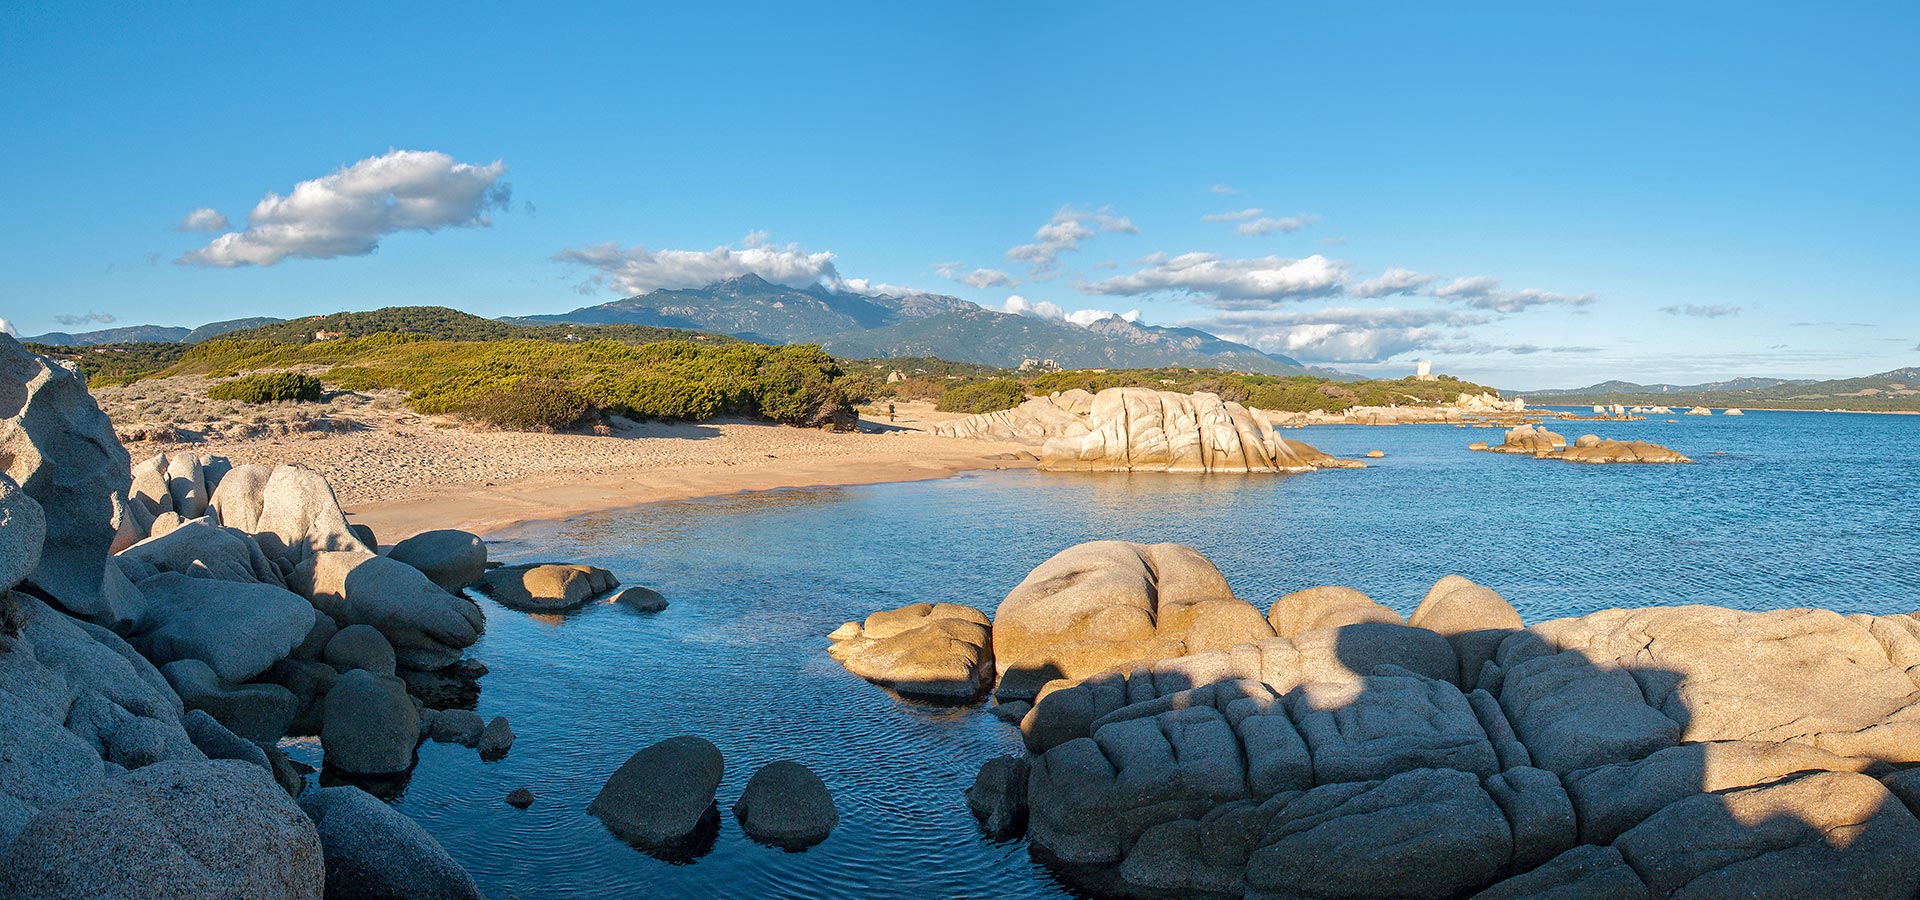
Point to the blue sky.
(1530, 194)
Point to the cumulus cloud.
(6, 328)
(1704, 312)
(1054, 312)
(347, 212)
(89, 318)
(1483, 292)
(1392, 282)
(978, 278)
(1267, 225)
(1339, 335)
(1238, 215)
(637, 269)
(204, 219)
(1230, 283)
(1063, 233)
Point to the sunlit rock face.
(1466, 752)
(1144, 430)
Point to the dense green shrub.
(983, 396)
(268, 387)
(533, 404)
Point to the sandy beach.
(402, 474)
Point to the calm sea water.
(1783, 509)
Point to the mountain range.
(856, 325)
(148, 333)
(1898, 389)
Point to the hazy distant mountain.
(147, 333)
(1898, 389)
(864, 326)
(213, 330)
(125, 335)
(1628, 387)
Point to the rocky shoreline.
(1181, 743)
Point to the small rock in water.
(1376, 454)
(640, 599)
(785, 804)
(520, 798)
(495, 739)
(1011, 711)
(462, 726)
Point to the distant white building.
(1423, 371)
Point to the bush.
(983, 396)
(531, 405)
(268, 387)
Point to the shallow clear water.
(1783, 509)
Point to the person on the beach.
(889, 412)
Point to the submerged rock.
(662, 797)
(785, 804)
(941, 651)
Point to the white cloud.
(204, 219)
(1054, 312)
(1483, 292)
(872, 288)
(978, 278)
(1340, 335)
(1238, 215)
(1223, 189)
(637, 270)
(1063, 233)
(89, 318)
(1230, 283)
(6, 327)
(1704, 312)
(1286, 225)
(347, 212)
(1391, 282)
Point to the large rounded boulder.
(374, 852)
(23, 527)
(219, 828)
(451, 559)
(785, 804)
(662, 797)
(1111, 604)
(940, 651)
(370, 725)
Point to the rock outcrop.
(941, 651)
(60, 450)
(1540, 443)
(1683, 751)
(1144, 430)
(428, 627)
(371, 726)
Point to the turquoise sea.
(1782, 509)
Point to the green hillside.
(1894, 391)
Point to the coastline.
(404, 476)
